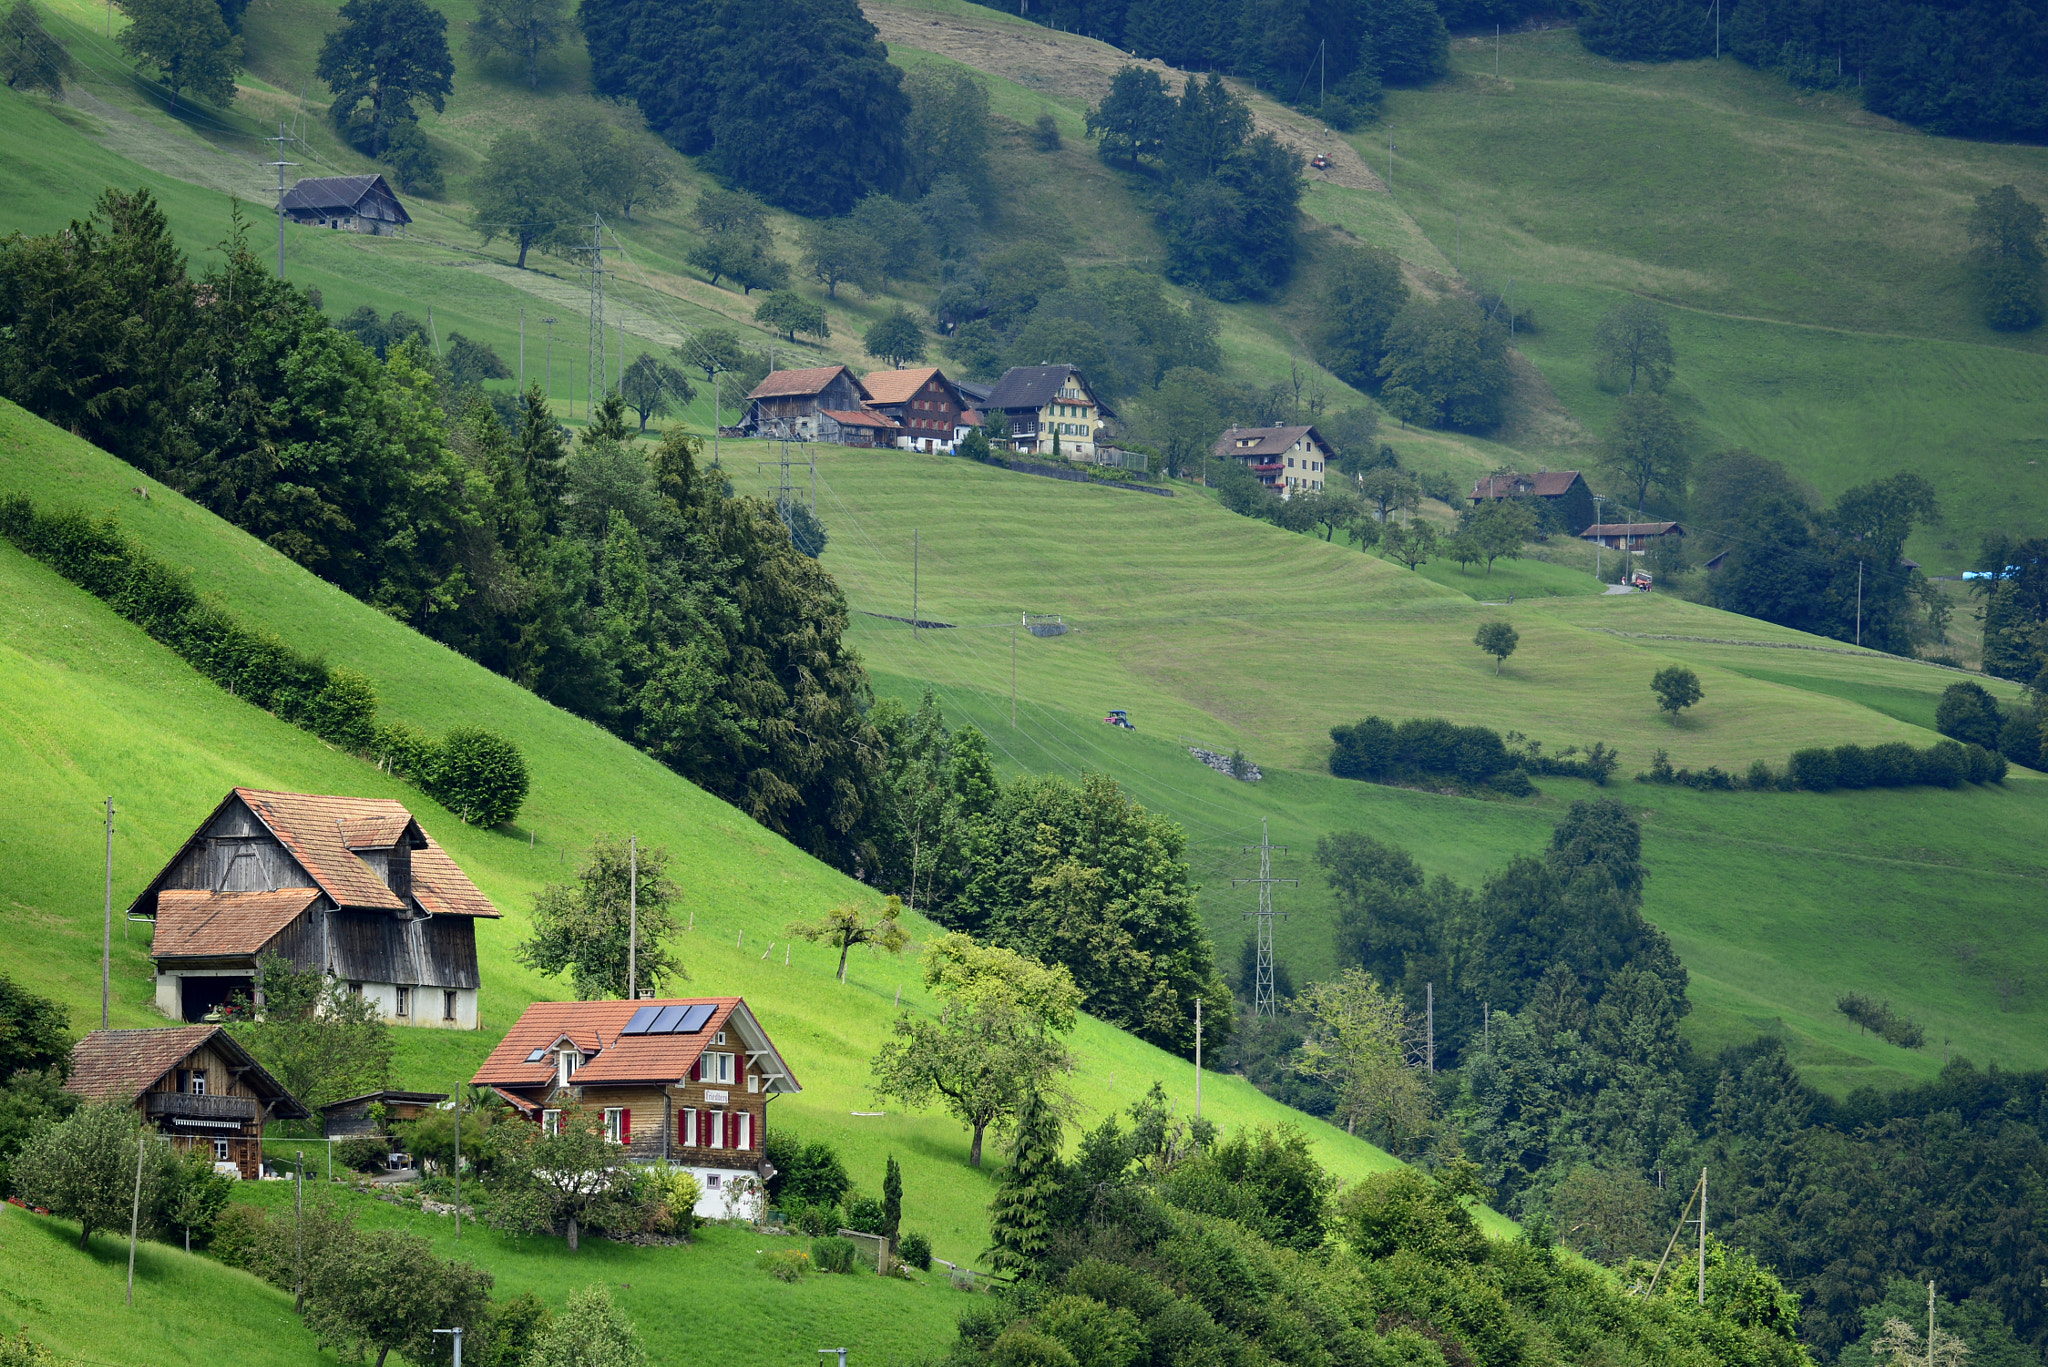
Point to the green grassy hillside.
(1214, 630)
(89, 706)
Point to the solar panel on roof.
(694, 1018)
(665, 1023)
(642, 1022)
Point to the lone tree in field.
(1634, 346)
(896, 339)
(1677, 688)
(846, 926)
(654, 389)
(2006, 229)
(188, 43)
(584, 927)
(1497, 639)
(386, 54)
(790, 313)
(30, 59)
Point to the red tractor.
(1118, 717)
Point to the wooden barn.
(684, 1081)
(356, 204)
(923, 403)
(788, 402)
(192, 1083)
(1563, 493)
(360, 1114)
(350, 886)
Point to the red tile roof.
(1544, 484)
(594, 1028)
(1260, 441)
(120, 1065)
(849, 418)
(376, 832)
(898, 386)
(796, 383)
(192, 922)
(443, 889)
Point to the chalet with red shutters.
(925, 406)
(788, 404)
(193, 1084)
(349, 886)
(1287, 460)
(686, 1081)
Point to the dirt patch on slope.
(1070, 66)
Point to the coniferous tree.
(1021, 1218)
(892, 1201)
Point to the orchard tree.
(386, 54)
(846, 925)
(188, 43)
(789, 313)
(30, 59)
(524, 30)
(1500, 527)
(835, 253)
(1412, 545)
(318, 1039)
(1497, 639)
(1649, 444)
(654, 389)
(523, 192)
(1677, 688)
(2007, 230)
(1132, 121)
(383, 1289)
(583, 927)
(84, 1169)
(1634, 347)
(895, 339)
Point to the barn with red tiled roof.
(679, 1080)
(788, 402)
(194, 1084)
(351, 886)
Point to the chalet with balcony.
(1044, 402)
(1630, 536)
(923, 403)
(191, 1083)
(350, 886)
(356, 204)
(788, 402)
(1561, 494)
(1284, 459)
(686, 1081)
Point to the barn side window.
(447, 1006)
(404, 1001)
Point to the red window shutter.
(732, 1129)
(693, 1068)
(626, 1127)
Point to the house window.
(717, 1128)
(355, 989)
(720, 1039)
(717, 1068)
(745, 1136)
(617, 1128)
(567, 1062)
(404, 1000)
(686, 1127)
(753, 1081)
(198, 1087)
(551, 1123)
(447, 1006)
(711, 1181)
(220, 1150)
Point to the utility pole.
(142, 1146)
(281, 139)
(522, 348)
(596, 383)
(107, 932)
(549, 323)
(1262, 990)
(1598, 544)
(913, 584)
(1458, 251)
(633, 921)
(1198, 1069)
(457, 1332)
(1429, 1028)
(299, 1230)
(1013, 683)
(1496, 52)
(1390, 159)
(1703, 1237)
(458, 1181)
(1859, 601)
(1930, 1322)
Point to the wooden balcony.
(176, 1105)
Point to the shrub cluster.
(785, 1264)
(1431, 748)
(1970, 714)
(476, 774)
(1880, 1019)
(915, 1251)
(833, 1254)
(1945, 764)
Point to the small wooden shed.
(355, 1115)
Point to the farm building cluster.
(354, 889)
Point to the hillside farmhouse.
(788, 402)
(925, 406)
(1563, 492)
(1284, 459)
(357, 204)
(192, 1083)
(350, 886)
(1041, 402)
(1630, 536)
(684, 1081)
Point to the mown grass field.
(1218, 631)
(1812, 253)
(89, 706)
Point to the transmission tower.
(1262, 990)
(281, 139)
(597, 385)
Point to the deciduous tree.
(1650, 444)
(84, 1169)
(1445, 365)
(1130, 124)
(2007, 231)
(1634, 346)
(895, 338)
(189, 45)
(583, 927)
(524, 30)
(654, 389)
(30, 59)
(383, 1289)
(526, 191)
(1357, 1044)
(789, 313)
(1677, 688)
(386, 55)
(1363, 291)
(847, 925)
(1498, 639)
(320, 1040)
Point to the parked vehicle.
(1118, 717)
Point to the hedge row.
(474, 773)
(1945, 764)
(1970, 714)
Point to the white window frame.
(690, 1127)
(614, 1122)
(746, 1131)
(717, 1130)
(550, 1123)
(566, 1064)
(220, 1151)
(198, 1082)
(753, 1081)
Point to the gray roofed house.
(1041, 402)
(359, 204)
